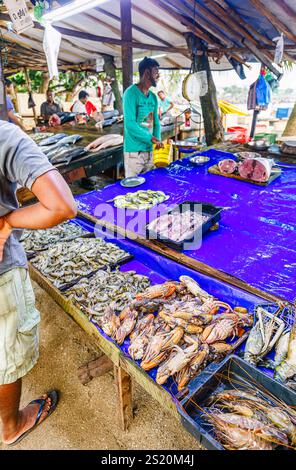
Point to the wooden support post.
(123, 383)
(30, 92)
(212, 120)
(126, 36)
(95, 368)
(3, 108)
(110, 70)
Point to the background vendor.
(165, 105)
(49, 107)
(141, 121)
(9, 105)
(84, 106)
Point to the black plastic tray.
(207, 209)
(217, 375)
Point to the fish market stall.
(255, 242)
(159, 323)
(94, 162)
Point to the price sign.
(19, 15)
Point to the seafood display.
(66, 154)
(41, 136)
(247, 418)
(177, 327)
(68, 262)
(271, 333)
(52, 139)
(106, 289)
(252, 167)
(256, 169)
(177, 226)
(227, 166)
(38, 240)
(140, 199)
(110, 140)
(61, 142)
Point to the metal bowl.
(245, 155)
(199, 160)
(258, 144)
(132, 181)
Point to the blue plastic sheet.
(256, 241)
(159, 270)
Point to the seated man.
(165, 105)
(86, 107)
(49, 107)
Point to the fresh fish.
(67, 154)
(40, 136)
(52, 140)
(70, 139)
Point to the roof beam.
(212, 21)
(158, 21)
(231, 12)
(104, 39)
(274, 20)
(138, 28)
(179, 17)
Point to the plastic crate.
(240, 134)
(228, 374)
(270, 138)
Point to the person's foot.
(27, 419)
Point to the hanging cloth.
(252, 101)
(31, 102)
(263, 92)
(238, 67)
(51, 45)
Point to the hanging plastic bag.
(279, 49)
(51, 45)
(263, 92)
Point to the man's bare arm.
(13, 118)
(56, 204)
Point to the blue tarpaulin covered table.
(256, 241)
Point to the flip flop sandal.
(53, 395)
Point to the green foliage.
(20, 84)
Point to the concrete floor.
(86, 415)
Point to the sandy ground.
(86, 415)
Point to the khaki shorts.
(136, 163)
(19, 320)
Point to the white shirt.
(79, 107)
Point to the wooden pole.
(110, 70)
(209, 104)
(30, 92)
(123, 384)
(126, 48)
(3, 108)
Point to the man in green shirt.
(141, 120)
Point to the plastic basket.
(162, 157)
(270, 138)
(240, 134)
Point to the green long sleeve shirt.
(141, 121)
